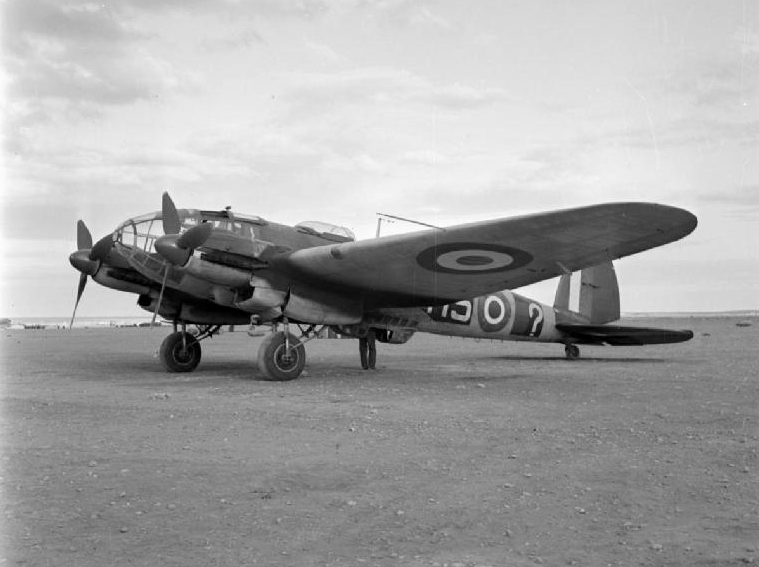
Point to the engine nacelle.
(104, 278)
(319, 307)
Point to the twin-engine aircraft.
(210, 269)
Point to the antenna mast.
(386, 217)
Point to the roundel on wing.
(471, 258)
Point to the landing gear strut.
(572, 352)
(180, 351)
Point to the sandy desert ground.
(453, 452)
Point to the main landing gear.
(180, 351)
(281, 355)
(572, 352)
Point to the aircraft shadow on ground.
(561, 359)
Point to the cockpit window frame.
(145, 239)
(327, 231)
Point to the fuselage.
(502, 315)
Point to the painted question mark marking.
(537, 312)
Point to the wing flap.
(464, 261)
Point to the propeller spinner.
(175, 248)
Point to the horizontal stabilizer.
(622, 336)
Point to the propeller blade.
(177, 249)
(83, 236)
(102, 248)
(196, 236)
(80, 291)
(170, 216)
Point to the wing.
(464, 261)
(622, 336)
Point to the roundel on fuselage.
(471, 258)
(493, 312)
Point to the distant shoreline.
(79, 323)
(692, 314)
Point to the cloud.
(424, 157)
(361, 163)
(241, 40)
(66, 176)
(459, 96)
(323, 53)
(411, 13)
(235, 9)
(720, 80)
(85, 56)
(743, 199)
(385, 85)
(84, 22)
(687, 131)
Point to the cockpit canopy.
(326, 230)
(142, 232)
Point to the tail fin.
(562, 292)
(599, 294)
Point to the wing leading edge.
(435, 266)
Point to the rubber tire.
(173, 355)
(270, 361)
(572, 352)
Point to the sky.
(440, 111)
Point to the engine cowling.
(321, 307)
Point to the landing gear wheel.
(180, 352)
(572, 352)
(274, 360)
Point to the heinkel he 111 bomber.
(209, 269)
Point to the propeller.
(169, 215)
(101, 249)
(196, 236)
(83, 236)
(87, 259)
(176, 248)
(79, 292)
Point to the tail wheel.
(279, 363)
(180, 352)
(572, 352)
